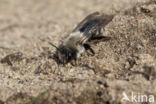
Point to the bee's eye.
(69, 54)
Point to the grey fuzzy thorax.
(75, 42)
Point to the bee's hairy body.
(75, 42)
(73, 46)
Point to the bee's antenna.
(54, 46)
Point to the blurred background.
(23, 22)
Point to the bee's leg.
(98, 39)
(81, 50)
(105, 38)
(74, 62)
(88, 47)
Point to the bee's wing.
(93, 25)
(85, 20)
(97, 25)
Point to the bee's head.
(64, 55)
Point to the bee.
(89, 29)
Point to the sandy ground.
(126, 63)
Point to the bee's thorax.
(73, 43)
(73, 40)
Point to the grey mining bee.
(78, 40)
